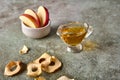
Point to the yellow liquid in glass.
(73, 35)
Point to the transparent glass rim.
(71, 24)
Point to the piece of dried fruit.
(12, 68)
(44, 60)
(53, 66)
(40, 78)
(48, 63)
(24, 50)
(34, 69)
(64, 78)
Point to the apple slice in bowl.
(43, 15)
(34, 14)
(29, 20)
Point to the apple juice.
(73, 35)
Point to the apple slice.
(29, 20)
(32, 13)
(43, 14)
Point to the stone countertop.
(101, 63)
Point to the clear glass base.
(75, 49)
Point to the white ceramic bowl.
(36, 32)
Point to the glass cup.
(73, 34)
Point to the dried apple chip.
(12, 68)
(40, 78)
(24, 50)
(53, 66)
(34, 69)
(44, 60)
(64, 78)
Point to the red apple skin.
(31, 18)
(45, 19)
(34, 14)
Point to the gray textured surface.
(103, 63)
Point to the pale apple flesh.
(43, 14)
(32, 13)
(29, 20)
(35, 20)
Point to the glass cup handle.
(89, 30)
